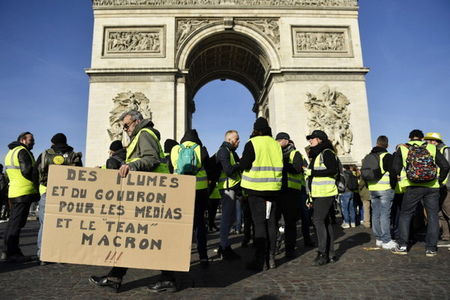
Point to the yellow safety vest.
(432, 149)
(322, 186)
(295, 181)
(18, 184)
(162, 167)
(201, 176)
(383, 184)
(400, 186)
(215, 194)
(442, 151)
(267, 169)
(229, 182)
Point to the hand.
(123, 171)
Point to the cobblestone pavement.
(360, 273)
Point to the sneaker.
(389, 245)
(401, 250)
(345, 225)
(379, 243)
(430, 253)
(443, 243)
(353, 224)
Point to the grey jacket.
(147, 149)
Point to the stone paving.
(360, 273)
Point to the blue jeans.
(347, 207)
(381, 214)
(229, 200)
(41, 222)
(238, 222)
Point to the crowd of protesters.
(263, 194)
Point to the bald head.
(232, 137)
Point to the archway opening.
(223, 105)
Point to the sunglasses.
(126, 126)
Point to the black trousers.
(249, 228)
(288, 208)
(265, 229)
(213, 204)
(324, 230)
(17, 220)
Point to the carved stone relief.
(123, 102)
(186, 26)
(321, 41)
(241, 3)
(268, 26)
(328, 111)
(134, 41)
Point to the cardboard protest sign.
(95, 217)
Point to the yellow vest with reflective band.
(383, 184)
(162, 167)
(202, 178)
(400, 186)
(442, 150)
(18, 184)
(432, 149)
(228, 182)
(215, 194)
(267, 169)
(295, 181)
(322, 186)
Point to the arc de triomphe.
(300, 59)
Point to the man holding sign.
(144, 153)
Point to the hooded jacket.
(117, 159)
(147, 148)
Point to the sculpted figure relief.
(329, 112)
(124, 102)
(133, 41)
(269, 26)
(245, 3)
(320, 41)
(186, 26)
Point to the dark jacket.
(329, 160)
(294, 168)
(117, 159)
(441, 162)
(223, 157)
(446, 155)
(27, 170)
(246, 162)
(192, 136)
(147, 148)
(387, 162)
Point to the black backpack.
(370, 169)
(214, 168)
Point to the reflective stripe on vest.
(201, 177)
(18, 184)
(162, 167)
(384, 183)
(294, 181)
(267, 169)
(432, 149)
(322, 186)
(400, 186)
(229, 182)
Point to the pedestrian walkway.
(360, 273)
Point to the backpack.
(420, 165)
(370, 169)
(215, 168)
(351, 180)
(51, 157)
(187, 160)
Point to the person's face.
(314, 142)
(233, 139)
(129, 124)
(283, 143)
(28, 140)
(433, 142)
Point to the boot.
(321, 259)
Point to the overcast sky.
(46, 45)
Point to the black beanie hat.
(282, 136)
(59, 138)
(116, 145)
(260, 124)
